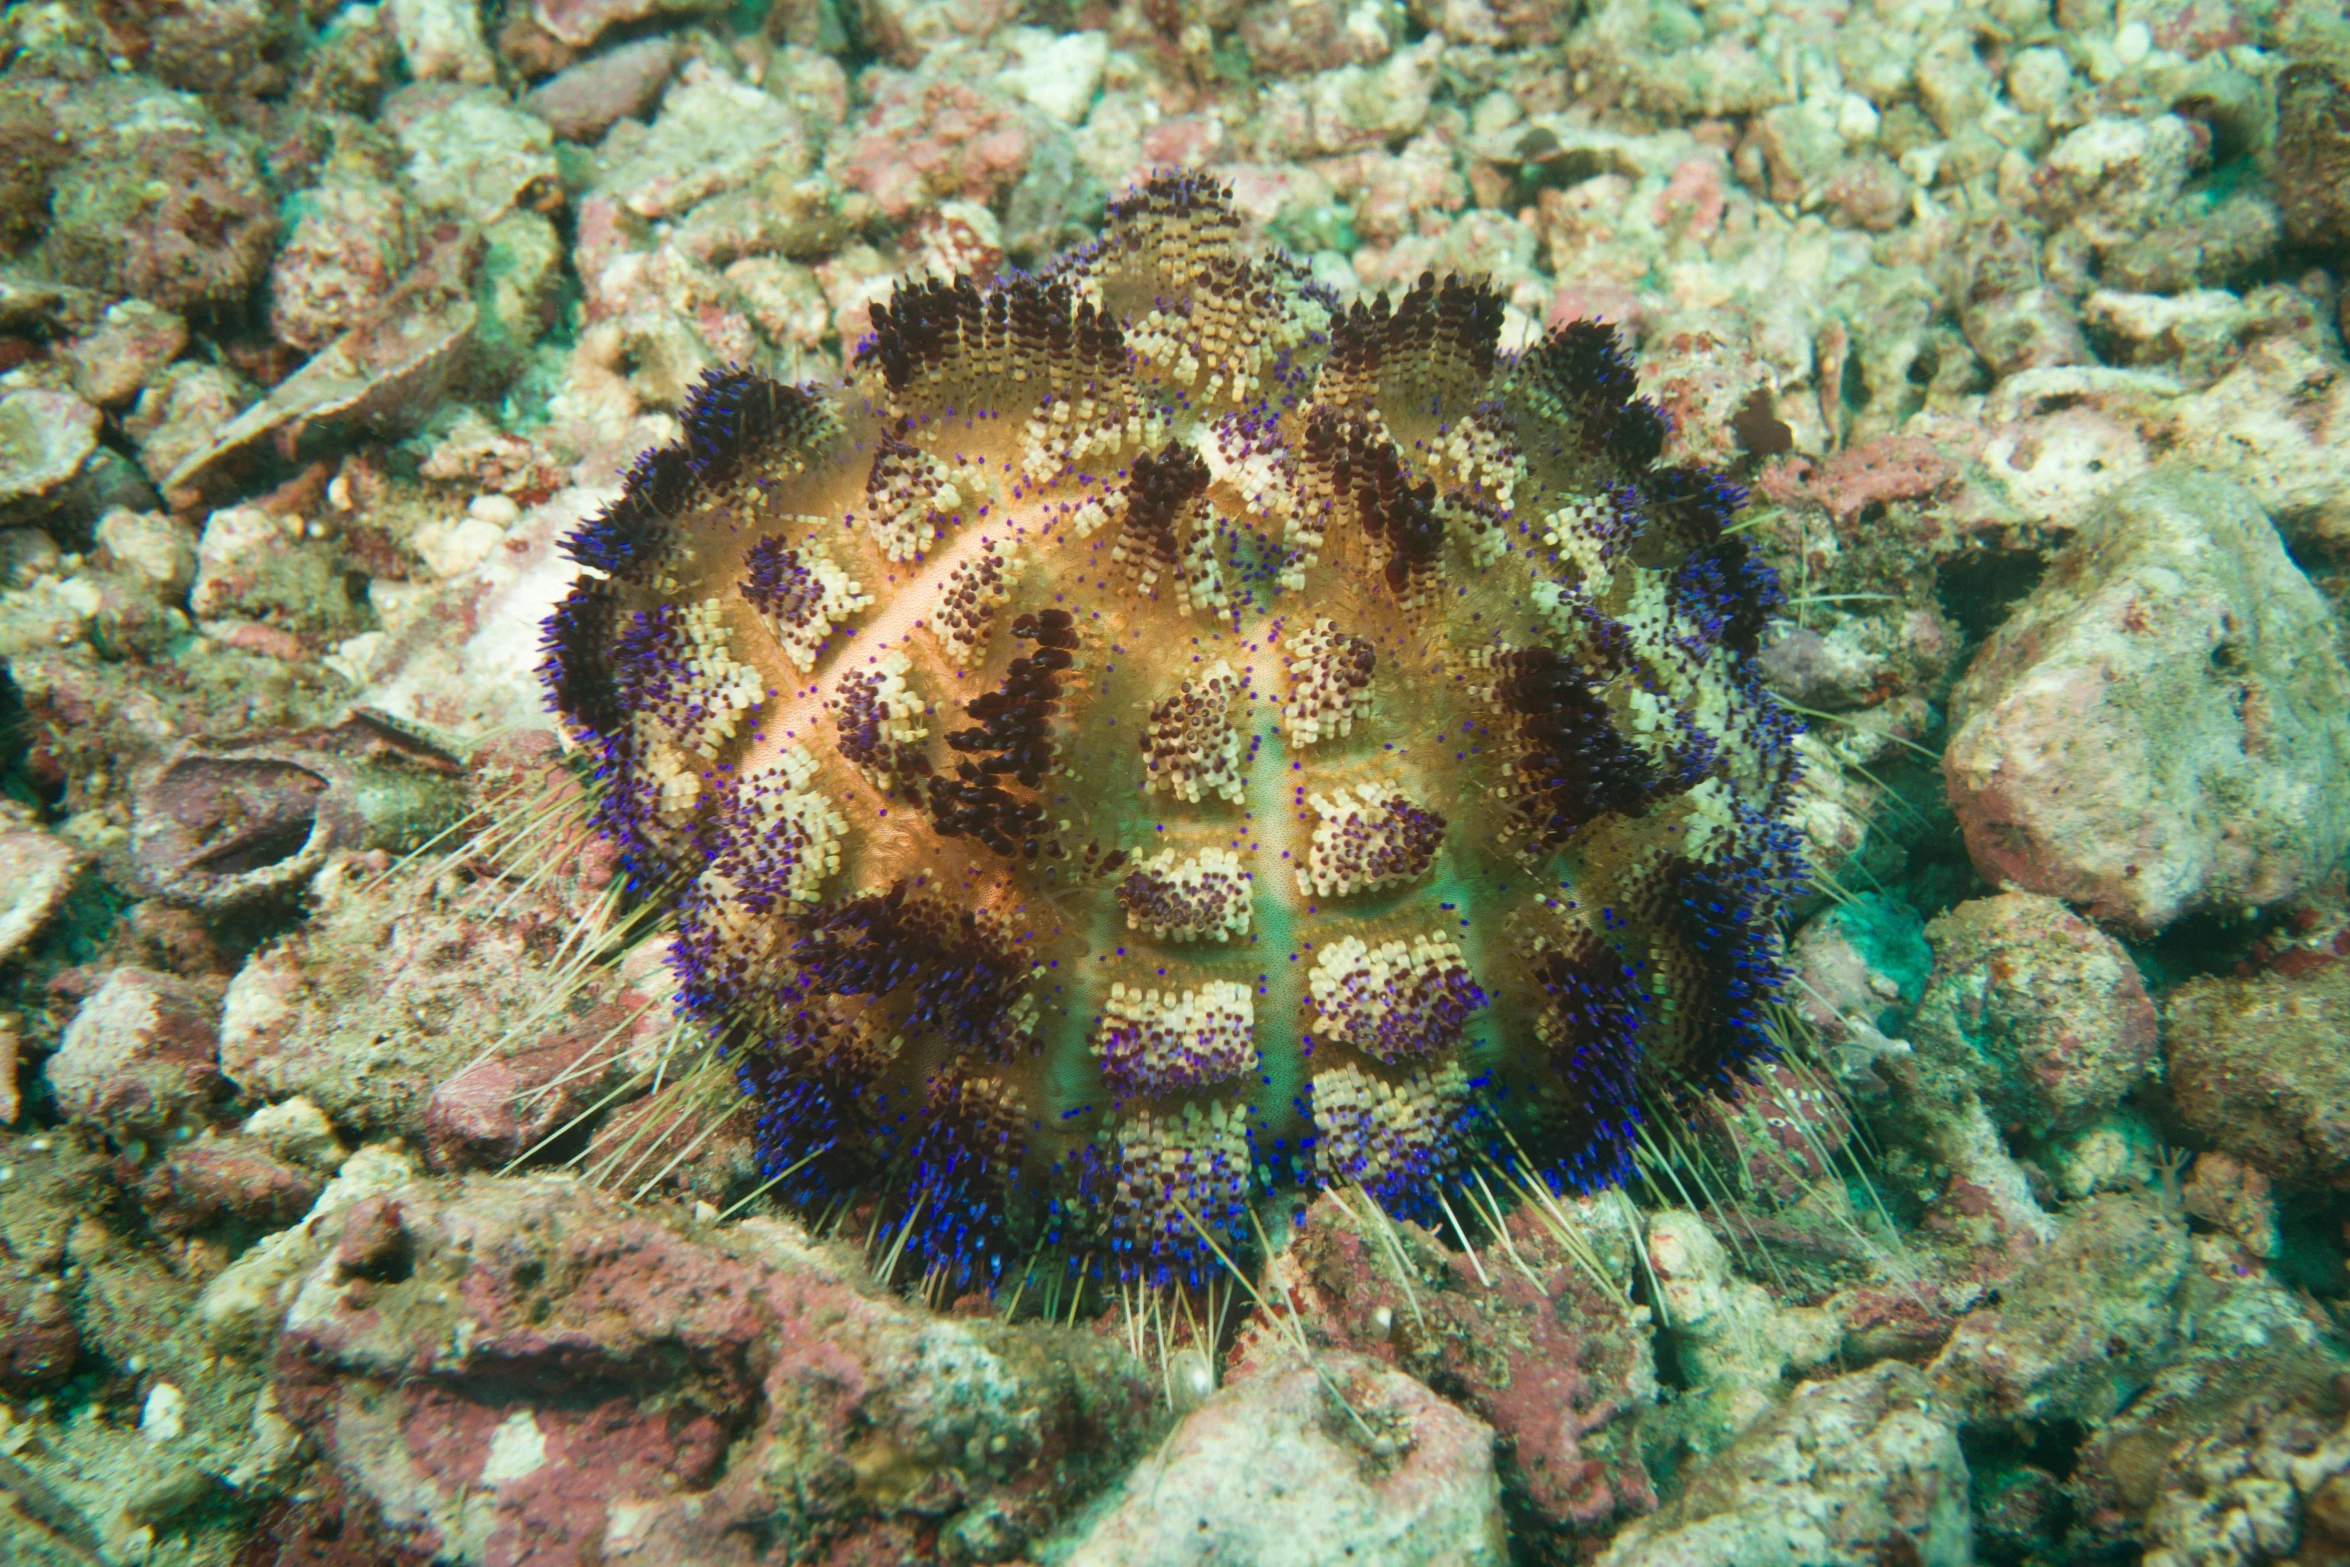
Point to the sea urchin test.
(1157, 737)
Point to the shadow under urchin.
(1156, 737)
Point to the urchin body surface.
(1156, 735)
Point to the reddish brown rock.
(39, 1342)
(504, 1371)
(2258, 1066)
(2081, 1326)
(582, 103)
(228, 1179)
(2161, 726)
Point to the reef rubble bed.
(360, 1208)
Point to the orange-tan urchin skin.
(1290, 897)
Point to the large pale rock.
(1852, 1472)
(1274, 1471)
(2164, 725)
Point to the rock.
(241, 1309)
(579, 23)
(460, 657)
(2114, 178)
(2313, 153)
(2193, 1412)
(217, 46)
(348, 245)
(472, 155)
(2082, 1325)
(2257, 1066)
(1556, 1361)
(352, 59)
(1871, 193)
(2196, 252)
(181, 413)
(1953, 84)
(161, 205)
(441, 40)
(2235, 1197)
(1298, 39)
(908, 32)
(2034, 1009)
(37, 872)
(250, 565)
(2278, 423)
(521, 272)
(1271, 1470)
(2273, 1472)
(140, 1058)
(1799, 148)
(715, 134)
(39, 1340)
(1059, 73)
(225, 1180)
(1854, 1471)
(298, 1130)
(1351, 108)
(2196, 332)
(107, 366)
(158, 549)
(2160, 727)
(1735, 1343)
(2116, 1152)
(581, 103)
(45, 438)
(1665, 61)
(532, 1368)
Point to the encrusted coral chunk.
(1000, 728)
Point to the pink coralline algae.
(532, 1372)
(929, 141)
(1535, 1347)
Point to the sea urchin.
(1158, 736)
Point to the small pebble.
(498, 510)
